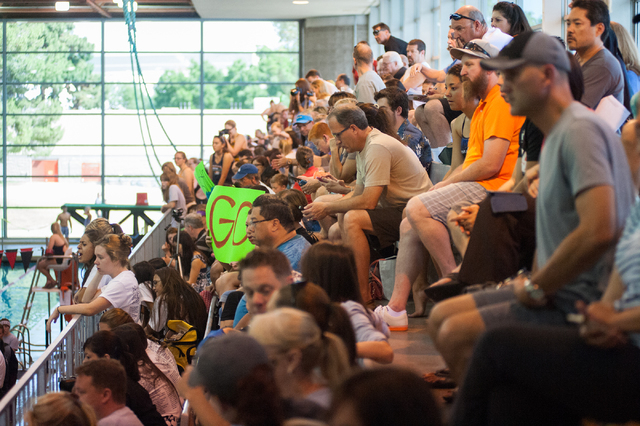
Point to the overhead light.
(300, 1)
(62, 6)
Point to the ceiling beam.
(98, 9)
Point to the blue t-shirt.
(294, 249)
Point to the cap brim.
(501, 64)
(238, 176)
(459, 53)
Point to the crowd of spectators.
(504, 171)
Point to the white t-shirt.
(175, 194)
(415, 90)
(497, 38)
(104, 281)
(122, 292)
(123, 416)
(12, 341)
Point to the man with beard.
(491, 156)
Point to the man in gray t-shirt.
(584, 196)
(587, 27)
(369, 82)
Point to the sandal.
(50, 284)
(438, 293)
(439, 382)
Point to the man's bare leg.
(434, 124)
(354, 225)
(456, 339)
(419, 297)
(447, 309)
(411, 252)
(433, 235)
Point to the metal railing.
(59, 361)
(65, 353)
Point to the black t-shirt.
(530, 140)
(396, 45)
(400, 73)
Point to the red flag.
(26, 257)
(11, 257)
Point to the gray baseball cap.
(530, 48)
(479, 48)
(223, 361)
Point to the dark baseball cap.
(534, 48)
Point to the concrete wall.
(328, 44)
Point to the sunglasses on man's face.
(457, 17)
(376, 32)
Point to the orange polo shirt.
(491, 119)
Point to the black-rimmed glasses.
(457, 17)
(339, 134)
(252, 223)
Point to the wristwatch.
(534, 292)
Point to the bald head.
(363, 54)
(471, 27)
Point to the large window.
(72, 116)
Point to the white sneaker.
(399, 323)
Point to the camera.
(177, 214)
(295, 91)
(223, 132)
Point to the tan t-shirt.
(385, 161)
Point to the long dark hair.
(107, 343)
(380, 118)
(182, 302)
(332, 267)
(134, 337)
(304, 87)
(514, 16)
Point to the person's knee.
(352, 221)
(405, 228)
(416, 211)
(433, 108)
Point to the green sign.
(227, 212)
(203, 179)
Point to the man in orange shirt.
(490, 159)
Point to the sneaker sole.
(399, 328)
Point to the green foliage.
(32, 96)
(271, 67)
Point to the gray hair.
(392, 57)
(194, 220)
(476, 15)
(348, 114)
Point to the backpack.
(182, 343)
(11, 362)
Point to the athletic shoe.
(399, 323)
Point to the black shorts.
(230, 306)
(386, 224)
(449, 114)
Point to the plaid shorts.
(440, 201)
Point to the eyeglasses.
(338, 135)
(457, 17)
(376, 32)
(476, 48)
(252, 224)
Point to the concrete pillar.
(328, 44)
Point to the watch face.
(534, 291)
